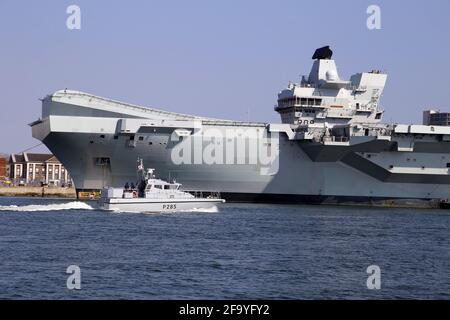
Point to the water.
(240, 252)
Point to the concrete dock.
(44, 192)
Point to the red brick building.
(36, 168)
(3, 167)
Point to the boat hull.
(157, 206)
(298, 179)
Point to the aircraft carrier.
(331, 146)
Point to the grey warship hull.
(303, 175)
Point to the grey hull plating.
(298, 180)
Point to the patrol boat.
(153, 195)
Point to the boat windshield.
(163, 186)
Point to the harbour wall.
(44, 192)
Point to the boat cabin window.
(166, 187)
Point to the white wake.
(213, 209)
(75, 205)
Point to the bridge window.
(310, 101)
(289, 102)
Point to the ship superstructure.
(323, 98)
(330, 147)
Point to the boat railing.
(204, 194)
(214, 195)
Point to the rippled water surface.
(240, 251)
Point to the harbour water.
(240, 251)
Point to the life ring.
(135, 195)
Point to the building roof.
(33, 157)
(17, 158)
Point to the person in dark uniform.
(141, 189)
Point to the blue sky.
(225, 59)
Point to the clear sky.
(223, 59)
